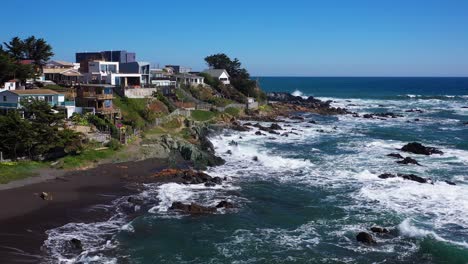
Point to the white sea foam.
(408, 229)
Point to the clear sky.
(271, 38)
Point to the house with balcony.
(138, 67)
(63, 76)
(97, 96)
(220, 74)
(189, 79)
(11, 99)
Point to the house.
(179, 69)
(189, 79)
(97, 96)
(221, 74)
(120, 56)
(12, 99)
(11, 85)
(57, 64)
(65, 76)
(163, 78)
(142, 68)
(108, 72)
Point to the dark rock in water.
(355, 115)
(386, 176)
(466, 123)
(275, 126)
(368, 116)
(233, 143)
(408, 160)
(285, 134)
(217, 180)
(312, 122)
(414, 110)
(296, 117)
(135, 201)
(418, 148)
(255, 158)
(449, 182)
(229, 152)
(76, 244)
(416, 120)
(258, 133)
(210, 184)
(273, 132)
(395, 155)
(248, 124)
(410, 177)
(224, 204)
(365, 238)
(378, 229)
(413, 177)
(192, 208)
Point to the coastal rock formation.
(418, 148)
(408, 160)
(381, 115)
(395, 155)
(224, 204)
(410, 177)
(293, 103)
(275, 126)
(179, 176)
(380, 230)
(75, 244)
(414, 111)
(365, 238)
(450, 182)
(192, 208)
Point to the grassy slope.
(10, 171)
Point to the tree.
(30, 48)
(240, 77)
(15, 48)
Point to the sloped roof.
(66, 72)
(33, 92)
(63, 63)
(216, 72)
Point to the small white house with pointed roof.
(221, 74)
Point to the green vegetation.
(174, 123)
(232, 111)
(135, 112)
(40, 134)
(265, 108)
(12, 52)
(10, 171)
(170, 106)
(201, 115)
(85, 158)
(240, 77)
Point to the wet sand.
(24, 216)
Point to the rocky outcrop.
(418, 148)
(410, 177)
(192, 208)
(381, 115)
(298, 103)
(225, 204)
(75, 245)
(179, 176)
(408, 160)
(365, 238)
(379, 230)
(395, 155)
(275, 126)
(414, 111)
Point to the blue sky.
(271, 38)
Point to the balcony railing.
(99, 96)
(9, 105)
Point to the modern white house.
(221, 74)
(11, 85)
(108, 72)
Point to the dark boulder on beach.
(418, 148)
(192, 208)
(365, 238)
(380, 230)
(408, 160)
(395, 155)
(225, 204)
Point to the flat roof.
(33, 92)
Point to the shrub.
(201, 115)
(114, 144)
(232, 111)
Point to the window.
(4, 98)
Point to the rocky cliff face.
(200, 152)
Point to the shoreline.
(25, 216)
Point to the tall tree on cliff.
(30, 48)
(240, 77)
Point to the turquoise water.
(308, 195)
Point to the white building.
(108, 72)
(190, 79)
(220, 74)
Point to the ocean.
(309, 194)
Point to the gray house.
(139, 67)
